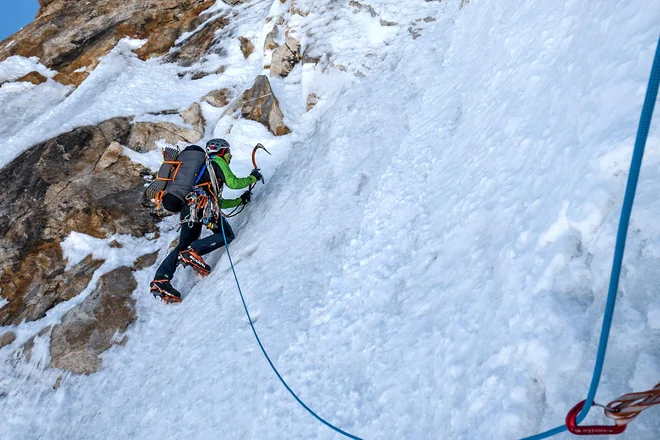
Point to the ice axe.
(240, 208)
(259, 146)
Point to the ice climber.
(201, 210)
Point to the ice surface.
(430, 255)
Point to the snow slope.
(430, 255)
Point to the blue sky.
(14, 14)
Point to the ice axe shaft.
(259, 146)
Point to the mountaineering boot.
(165, 291)
(188, 257)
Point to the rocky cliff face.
(82, 182)
(71, 36)
(75, 182)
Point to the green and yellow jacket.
(225, 176)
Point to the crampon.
(165, 291)
(188, 257)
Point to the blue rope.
(263, 350)
(633, 177)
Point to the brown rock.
(6, 339)
(193, 116)
(35, 78)
(312, 100)
(51, 189)
(144, 135)
(285, 58)
(217, 98)
(159, 44)
(300, 12)
(362, 7)
(199, 75)
(191, 51)
(88, 329)
(246, 46)
(45, 284)
(145, 261)
(311, 59)
(170, 111)
(269, 43)
(110, 156)
(261, 105)
(69, 35)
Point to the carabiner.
(573, 427)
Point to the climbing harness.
(204, 205)
(204, 208)
(580, 411)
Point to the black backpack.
(176, 177)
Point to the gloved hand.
(245, 197)
(255, 172)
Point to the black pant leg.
(214, 241)
(187, 236)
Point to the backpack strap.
(201, 173)
(214, 179)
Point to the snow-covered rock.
(260, 104)
(145, 135)
(194, 117)
(285, 58)
(91, 328)
(71, 37)
(217, 98)
(75, 182)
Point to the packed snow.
(429, 256)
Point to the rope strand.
(263, 350)
(631, 187)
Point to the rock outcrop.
(246, 46)
(81, 181)
(74, 182)
(89, 329)
(71, 36)
(60, 285)
(192, 49)
(6, 339)
(285, 58)
(35, 78)
(193, 116)
(261, 105)
(217, 98)
(144, 135)
(269, 42)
